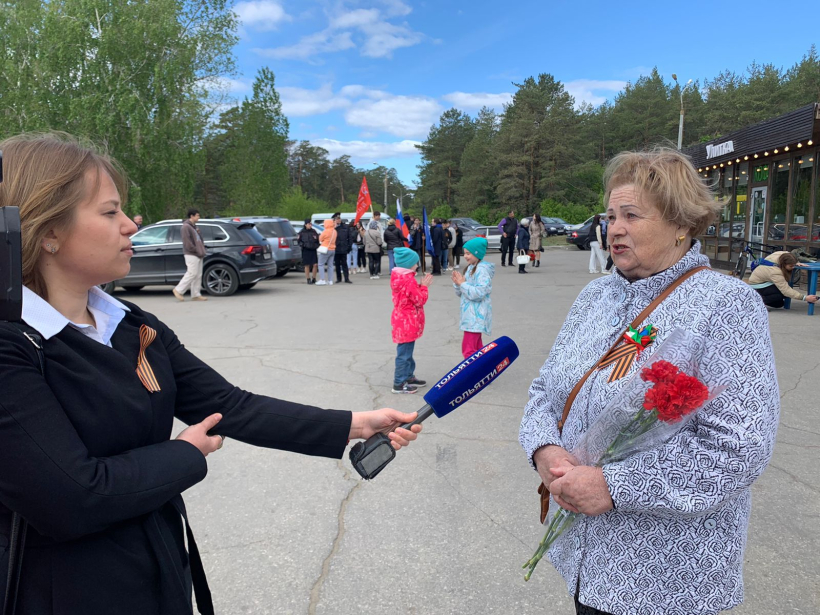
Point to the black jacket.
(509, 226)
(523, 239)
(393, 238)
(418, 240)
(459, 239)
(97, 476)
(437, 236)
(308, 239)
(342, 238)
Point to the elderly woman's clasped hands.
(577, 488)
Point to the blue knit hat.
(405, 257)
(477, 247)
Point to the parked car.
(318, 220)
(580, 237)
(553, 226)
(299, 225)
(238, 257)
(281, 236)
(469, 227)
(493, 236)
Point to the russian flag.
(401, 223)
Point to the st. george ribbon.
(462, 383)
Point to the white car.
(492, 235)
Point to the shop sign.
(721, 149)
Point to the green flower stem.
(561, 520)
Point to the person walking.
(393, 239)
(458, 245)
(373, 247)
(474, 286)
(308, 240)
(327, 253)
(597, 256)
(508, 227)
(451, 230)
(193, 249)
(407, 319)
(437, 238)
(342, 250)
(523, 244)
(537, 232)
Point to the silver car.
(281, 236)
(492, 235)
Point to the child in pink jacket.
(407, 319)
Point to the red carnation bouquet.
(653, 407)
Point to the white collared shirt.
(107, 312)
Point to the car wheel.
(108, 287)
(221, 280)
(281, 273)
(133, 288)
(246, 286)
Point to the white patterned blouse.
(674, 543)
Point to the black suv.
(238, 257)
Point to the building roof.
(798, 126)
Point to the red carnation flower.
(674, 399)
(660, 371)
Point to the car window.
(175, 234)
(252, 235)
(150, 236)
(211, 232)
(275, 229)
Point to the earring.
(679, 240)
(53, 250)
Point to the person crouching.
(407, 320)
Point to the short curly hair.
(668, 178)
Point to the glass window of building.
(738, 206)
(779, 200)
(801, 198)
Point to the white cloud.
(590, 90)
(227, 85)
(403, 116)
(310, 46)
(263, 15)
(376, 36)
(368, 151)
(476, 100)
(299, 102)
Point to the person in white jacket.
(597, 256)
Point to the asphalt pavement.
(447, 526)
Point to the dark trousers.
(582, 609)
(437, 264)
(341, 267)
(361, 255)
(609, 263)
(507, 247)
(374, 261)
(772, 296)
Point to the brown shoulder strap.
(634, 324)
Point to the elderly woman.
(537, 232)
(90, 389)
(664, 530)
(770, 280)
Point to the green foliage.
(485, 216)
(296, 205)
(442, 210)
(570, 212)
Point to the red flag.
(363, 204)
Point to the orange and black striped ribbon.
(623, 357)
(144, 371)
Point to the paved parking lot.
(446, 527)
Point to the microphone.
(462, 383)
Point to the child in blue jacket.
(474, 286)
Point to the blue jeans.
(444, 254)
(390, 260)
(405, 365)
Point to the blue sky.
(369, 77)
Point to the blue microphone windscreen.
(471, 376)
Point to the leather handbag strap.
(634, 324)
(542, 488)
(19, 526)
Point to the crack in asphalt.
(799, 380)
(316, 590)
(795, 478)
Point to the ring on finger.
(221, 442)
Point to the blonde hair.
(44, 174)
(671, 183)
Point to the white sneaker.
(372, 277)
(330, 283)
(377, 277)
(321, 283)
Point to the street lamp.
(385, 186)
(682, 90)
